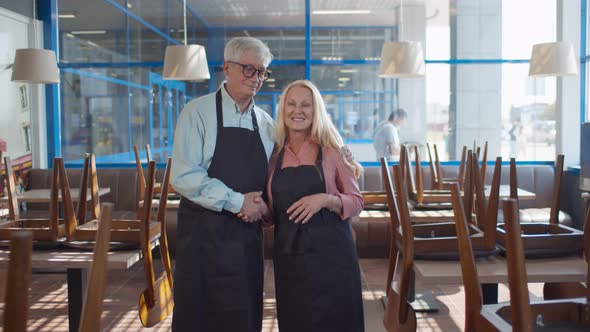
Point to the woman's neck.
(296, 140)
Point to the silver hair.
(238, 45)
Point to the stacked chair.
(520, 315)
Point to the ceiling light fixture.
(33, 65)
(185, 62)
(553, 59)
(88, 32)
(403, 58)
(338, 12)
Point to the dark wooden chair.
(438, 240)
(45, 230)
(399, 314)
(441, 182)
(421, 199)
(18, 281)
(521, 315)
(548, 238)
(127, 232)
(93, 300)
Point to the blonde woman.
(313, 193)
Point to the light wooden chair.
(45, 230)
(93, 299)
(141, 184)
(18, 281)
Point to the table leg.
(489, 293)
(76, 291)
(424, 302)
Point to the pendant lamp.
(33, 65)
(401, 59)
(185, 62)
(553, 59)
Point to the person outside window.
(386, 140)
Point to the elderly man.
(221, 149)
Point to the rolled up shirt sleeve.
(189, 176)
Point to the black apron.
(219, 265)
(317, 277)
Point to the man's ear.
(225, 67)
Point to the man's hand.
(253, 207)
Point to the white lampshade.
(185, 63)
(401, 59)
(553, 59)
(33, 65)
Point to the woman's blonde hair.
(323, 131)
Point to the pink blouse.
(338, 176)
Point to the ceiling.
(243, 13)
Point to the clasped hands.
(254, 208)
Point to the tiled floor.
(48, 306)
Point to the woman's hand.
(302, 210)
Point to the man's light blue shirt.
(194, 144)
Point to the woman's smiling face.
(298, 109)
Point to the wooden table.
(492, 271)
(76, 264)
(44, 195)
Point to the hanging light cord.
(401, 20)
(184, 15)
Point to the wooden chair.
(568, 290)
(474, 320)
(127, 231)
(521, 315)
(420, 198)
(156, 301)
(18, 281)
(141, 184)
(549, 238)
(438, 240)
(441, 182)
(399, 314)
(93, 300)
(46, 230)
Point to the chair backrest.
(148, 153)
(433, 173)
(141, 177)
(406, 169)
(554, 212)
(484, 161)
(162, 219)
(519, 293)
(89, 180)
(513, 180)
(418, 171)
(473, 294)
(439, 173)
(18, 281)
(407, 242)
(92, 308)
(13, 209)
(145, 217)
(394, 222)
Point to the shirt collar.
(226, 97)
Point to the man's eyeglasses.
(249, 71)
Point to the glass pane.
(519, 36)
(87, 39)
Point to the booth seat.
(372, 238)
